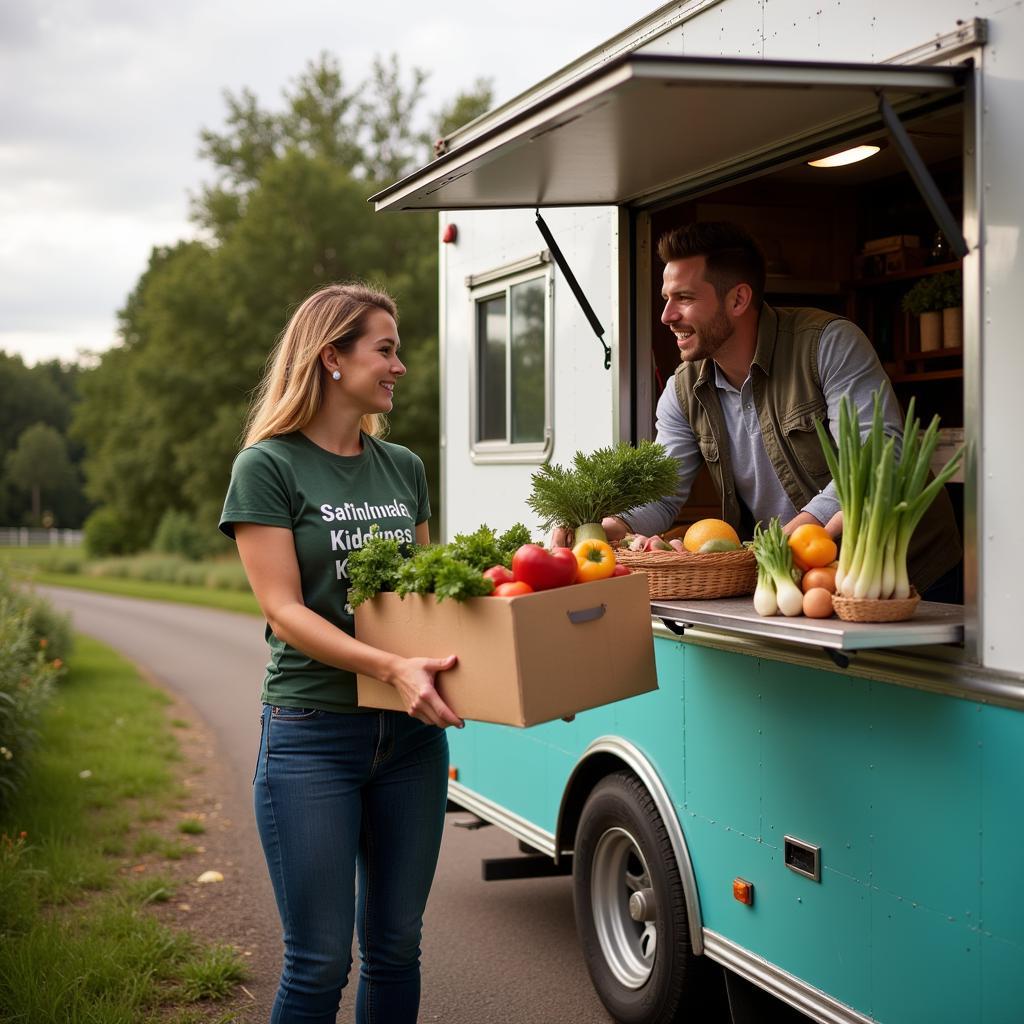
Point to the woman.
(340, 791)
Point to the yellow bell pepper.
(595, 560)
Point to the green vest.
(788, 398)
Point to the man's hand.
(834, 527)
(613, 527)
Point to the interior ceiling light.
(847, 156)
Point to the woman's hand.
(414, 679)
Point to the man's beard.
(711, 337)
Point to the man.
(752, 381)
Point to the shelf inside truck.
(933, 623)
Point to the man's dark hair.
(732, 255)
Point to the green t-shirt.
(329, 502)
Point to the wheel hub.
(641, 905)
(623, 904)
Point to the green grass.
(231, 601)
(70, 567)
(212, 976)
(77, 942)
(192, 827)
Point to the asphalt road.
(493, 952)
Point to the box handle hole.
(586, 614)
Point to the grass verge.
(232, 601)
(77, 941)
(212, 583)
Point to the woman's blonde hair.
(291, 391)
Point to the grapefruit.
(708, 529)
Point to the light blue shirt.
(847, 364)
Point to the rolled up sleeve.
(675, 434)
(849, 365)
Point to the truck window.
(510, 368)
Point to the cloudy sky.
(102, 101)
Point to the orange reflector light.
(743, 891)
(453, 773)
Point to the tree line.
(40, 464)
(155, 425)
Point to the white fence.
(25, 536)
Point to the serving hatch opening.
(645, 124)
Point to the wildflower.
(57, 663)
(43, 641)
(6, 754)
(85, 773)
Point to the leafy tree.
(29, 396)
(44, 393)
(285, 213)
(39, 465)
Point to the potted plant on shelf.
(926, 300)
(952, 311)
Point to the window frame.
(497, 283)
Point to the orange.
(708, 529)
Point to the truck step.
(537, 865)
(471, 824)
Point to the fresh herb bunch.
(452, 570)
(607, 482)
(418, 574)
(374, 567)
(483, 549)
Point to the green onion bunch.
(776, 588)
(883, 496)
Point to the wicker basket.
(867, 609)
(671, 574)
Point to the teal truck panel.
(914, 798)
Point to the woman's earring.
(336, 375)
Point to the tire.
(643, 971)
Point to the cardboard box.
(522, 660)
(893, 262)
(890, 243)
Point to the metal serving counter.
(933, 623)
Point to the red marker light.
(450, 234)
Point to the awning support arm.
(574, 285)
(922, 178)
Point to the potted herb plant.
(926, 300)
(607, 482)
(952, 311)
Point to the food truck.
(830, 811)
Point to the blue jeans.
(340, 798)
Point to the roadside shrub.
(105, 533)
(28, 672)
(191, 574)
(68, 561)
(179, 534)
(51, 631)
(227, 576)
(217, 575)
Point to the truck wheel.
(630, 908)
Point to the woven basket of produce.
(867, 609)
(672, 574)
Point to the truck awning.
(646, 124)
